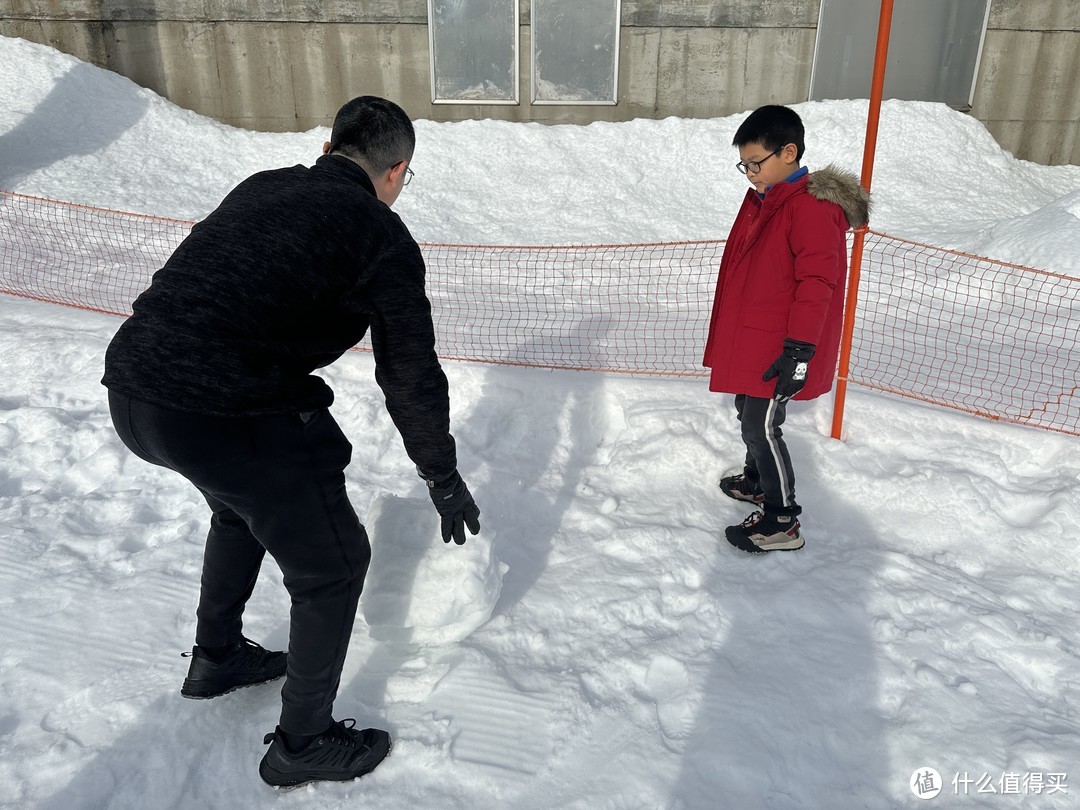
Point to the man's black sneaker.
(762, 532)
(741, 488)
(338, 754)
(245, 664)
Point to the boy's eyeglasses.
(408, 176)
(754, 165)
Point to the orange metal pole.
(876, 89)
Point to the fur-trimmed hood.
(839, 186)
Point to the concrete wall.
(1028, 89)
(288, 64)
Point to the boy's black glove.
(456, 507)
(790, 367)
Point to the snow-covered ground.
(599, 645)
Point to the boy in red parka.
(778, 311)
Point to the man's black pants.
(275, 484)
(767, 459)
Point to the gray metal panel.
(934, 50)
(474, 51)
(575, 53)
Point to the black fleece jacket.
(288, 273)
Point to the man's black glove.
(790, 367)
(456, 507)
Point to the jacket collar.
(772, 202)
(777, 194)
(344, 166)
(794, 177)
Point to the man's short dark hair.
(773, 126)
(374, 132)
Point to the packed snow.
(599, 644)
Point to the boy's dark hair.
(773, 126)
(374, 132)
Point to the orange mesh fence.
(982, 336)
(966, 332)
(636, 308)
(81, 256)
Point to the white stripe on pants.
(767, 455)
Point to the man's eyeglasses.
(408, 176)
(754, 165)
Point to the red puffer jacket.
(782, 276)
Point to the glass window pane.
(934, 49)
(474, 51)
(575, 51)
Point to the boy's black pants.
(767, 459)
(275, 484)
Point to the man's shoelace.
(248, 650)
(251, 652)
(343, 734)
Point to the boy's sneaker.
(741, 488)
(338, 754)
(245, 664)
(761, 532)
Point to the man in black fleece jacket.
(211, 376)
